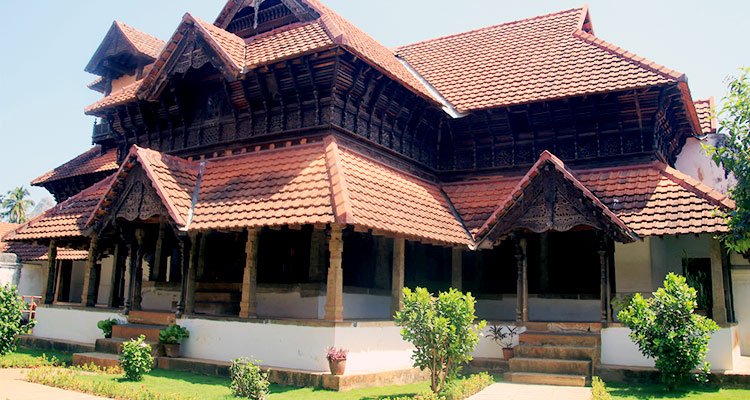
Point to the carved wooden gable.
(136, 200)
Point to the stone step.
(550, 366)
(535, 378)
(559, 352)
(114, 346)
(103, 360)
(559, 339)
(152, 317)
(227, 297)
(132, 331)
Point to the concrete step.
(550, 366)
(560, 339)
(114, 346)
(559, 352)
(535, 378)
(132, 331)
(104, 360)
(151, 317)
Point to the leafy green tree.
(666, 329)
(733, 154)
(15, 205)
(11, 307)
(442, 330)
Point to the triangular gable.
(240, 16)
(149, 184)
(122, 40)
(194, 44)
(550, 198)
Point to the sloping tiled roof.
(651, 199)
(283, 43)
(143, 42)
(122, 96)
(535, 59)
(28, 252)
(705, 109)
(91, 162)
(65, 220)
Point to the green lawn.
(27, 358)
(623, 391)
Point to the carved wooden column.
(521, 285)
(604, 287)
(90, 289)
(50, 292)
(132, 256)
(250, 276)
(334, 308)
(195, 240)
(184, 248)
(719, 310)
(544, 262)
(158, 270)
(397, 281)
(118, 276)
(457, 268)
(140, 236)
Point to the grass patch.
(624, 391)
(32, 358)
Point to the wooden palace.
(282, 165)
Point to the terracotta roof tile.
(231, 45)
(535, 59)
(28, 252)
(705, 109)
(282, 43)
(65, 220)
(143, 42)
(91, 162)
(122, 96)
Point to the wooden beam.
(250, 276)
(133, 254)
(117, 276)
(334, 308)
(195, 239)
(140, 236)
(719, 310)
(50, 293)
(520, 247)
(397, 279)
(89, 295)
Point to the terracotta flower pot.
(337, 367)
(172, 350)
(508, 353)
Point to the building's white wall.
(71, 324)
(10, 269)
(158, 299)
(619, 349)
(668, 252)
(76, 281)
(292, 304)
(105, 279)
(633, 267)
(540, 309)
(366, 306)
(694, 161)
(32, 280)
(741, 292)
(497, 310)
(373, 347)
(487, 348)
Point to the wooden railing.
(31, 304)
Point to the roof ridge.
(340, 200)
(203, 26)
(485, 28)
(121, 24)
(697, 187)
(643, 62)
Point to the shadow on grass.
(655, 391)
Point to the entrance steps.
(554, 357)
(146, 323)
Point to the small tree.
(15, 205)
(136, 358)
(666, 329)
(733, 154)
(11, 307)
(442, 329)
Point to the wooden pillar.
(158, 270)
(525, 313)
(457, 268)
(200, 272)
(50, 292)
(382, 262)
(317, 255)
(184, 249)
(719, 311)
(604, 284)
(544, 262)
(90, 289)
(397, 279)
(132, 256)
(334, 308)
(250, 276)
(521, 282)
(118, 266)
(140, 236)
(195, 239)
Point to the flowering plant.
(334, 354)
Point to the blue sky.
(46, 44)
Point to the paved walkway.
(14, 387)
(520, 391)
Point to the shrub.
(441, 329)
(106, 326)
(11, 307)
(503, 335)
(459, 389)
(248, 380)
(666, 329)
(334, 354)
(599, 390)
(136, 359)
(173, 334)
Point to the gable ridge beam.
(340, 199)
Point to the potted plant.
(171, 337)
(503, 336)
(106, 326)
(337, 360)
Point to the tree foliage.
(442, 330)
(136, 359)
(666, 329)
(733, 154)
(15, 205)
(11, 307)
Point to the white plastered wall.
(32, 280)
(105, 280)
(71, 324)
(694, 161)
(741, 292)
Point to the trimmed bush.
(106, 326)
(11, 307)
(666, 329)
(248, 380)
(599, 390)
(136, 359)
(459, 389)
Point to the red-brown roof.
(706, 109)
(651, 199)
(28, 252)
(91, 162)
(119, 97)
(535, 59)
(142, 44)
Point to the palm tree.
(15, 205)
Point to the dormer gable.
(124, 51)
(247, 18)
